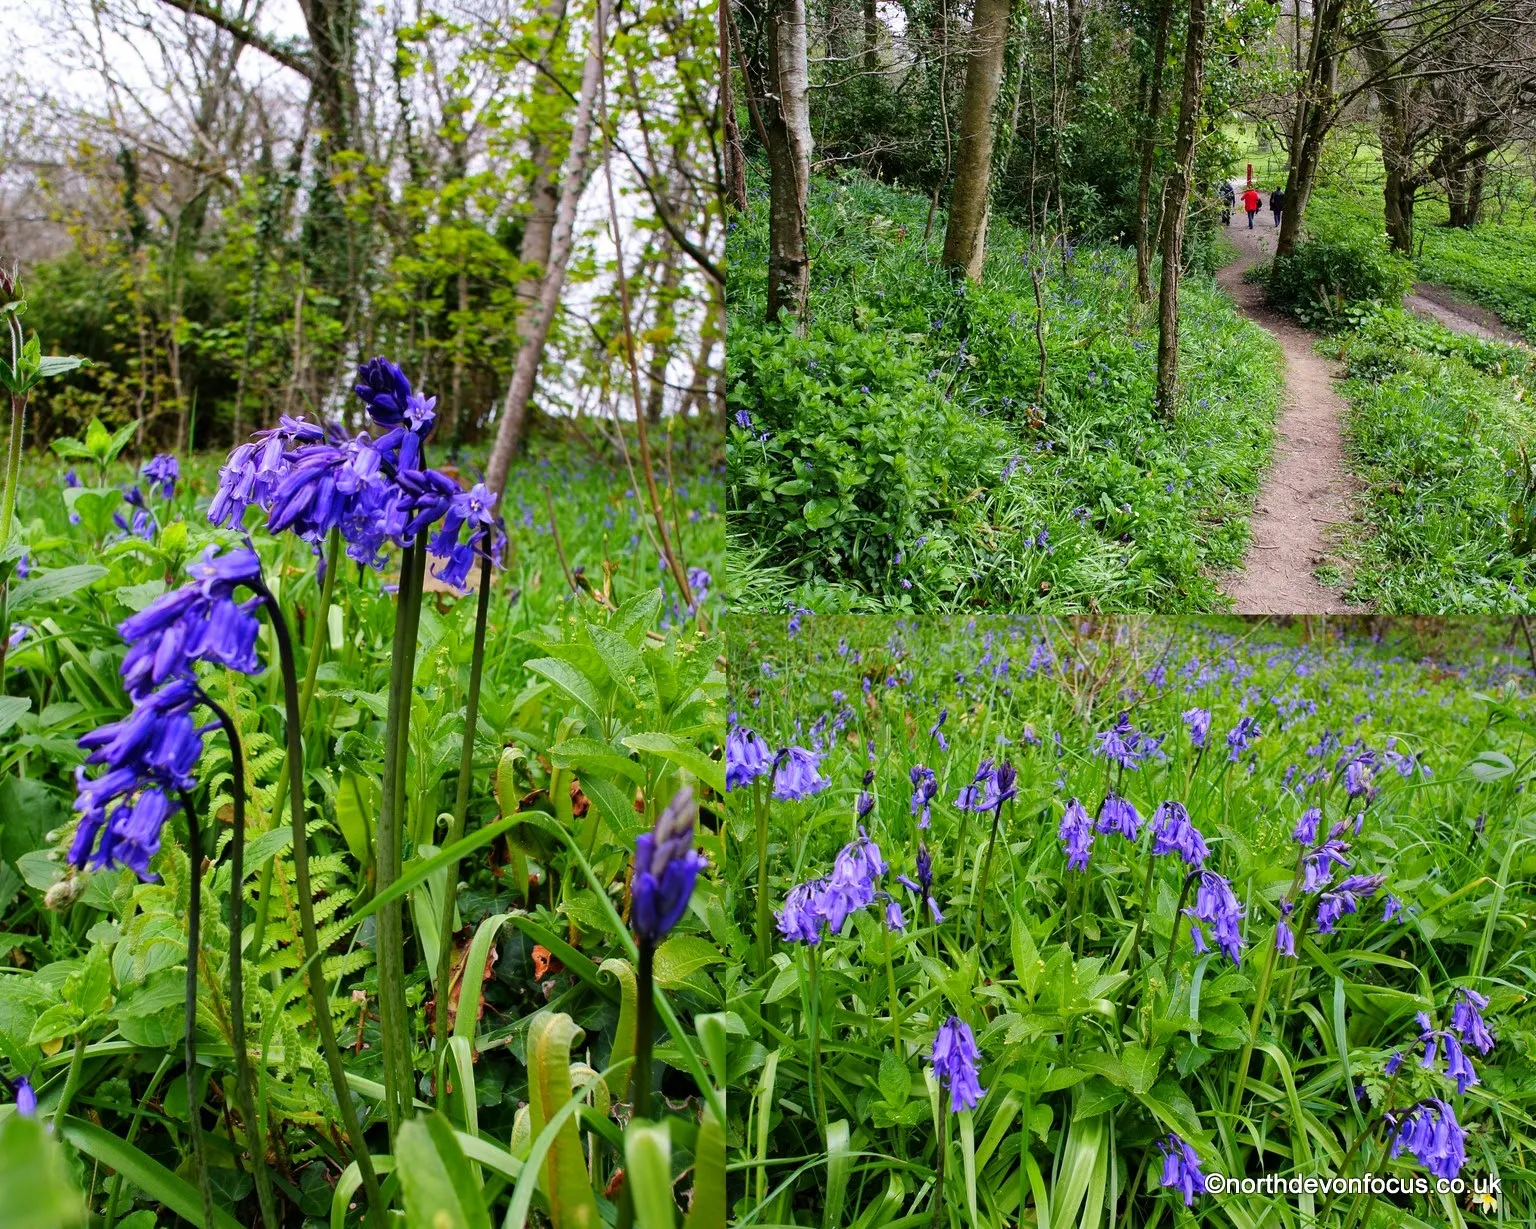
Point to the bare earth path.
(1457, 315)
(1306, 489)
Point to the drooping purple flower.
(1076, 835)
(894, 918)
(1181, 1168)
(1216, 905)
(799, 775)
(1199, 722)
(1240, 736)
(955, 1060)
(746, 757)
(1346, 898)
(391, 402)
(1320, 862)
(1430, 1131)
(925, 786)
(1127, 746)
(1393, 1063)
(141, 523)
(1357, 778)
(981, 793)
(800, 920)
(1006, 780)
(1305, 831)
(1393, 908)
(666, 868)
(26, 1099)
(864, 805)
(925, 881)
(1467, 1019)
(474, 511)
(1173, 832)
(1119, 815)
(163, 470)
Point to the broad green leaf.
(682, 955)
(1141, 1066)
(52, 585)
(11, 710)
(438, 1186)
(648, 1171)
(34, 1176)
(622, 661)
(142, 1171)
(683, 754)
(571, 681)
(564, 1171)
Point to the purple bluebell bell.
(798, 775)
(1119, 815)
(955, 1059)
(473, 510)
(1467, 1019)
(1430, 1131)
(1076, 835)
(1393, 908)
(1125, 745)
(746, 757)
(925, 786)
(1320, 862)
(164, 471)
(1181, 1168)
(391, 402)
(1285, 937)
(1198, 721)
(26, 1099)
(140, 521)
(925, 881)
(666, 868)
(894, 918)
(981, 793)
(1346, 898)
(1305, 831)
(1241, 736)
(801, 920)
(1216, 905)
(1357, 778)
(1393, 1063)
(864, 804)
(1173, 832)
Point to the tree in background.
(965, 237)
(787, 123)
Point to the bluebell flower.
(925, 881)
(162, 470)
(1393, 1063)
(864, 805)
(1305, 831)
(799, 775)
(894, 918)
(26, 1099)
(1199, 722)
(955, 1060)
(1392, 908)
(1346, 898)
(391, 402)
(1241, 736)
(1320, 862)
(1119, 815)
(1076, 835)
(925, 786)
(1467, 1020)
(141, 523)
(1127, 746)
(801, 920)
(666, 868)
(472, 510)
(982, 793)
(1181, 1168)
(1173, 832)
(1216, 905)
(1430, 1131)
(746, 757)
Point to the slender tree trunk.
(1149, 124)
(536, 323)
(965, 238)
(1311, 120)
(1175, 210)
(1464, 186)
(787, 117)
(735, 155)
(871, 36)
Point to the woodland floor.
(1305, 497)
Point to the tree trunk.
(1464, 186)
(1175, 210)
(1148, 151)
(535, 324)
(663, 330)
(965, 238)
(1399, 192)
(735, 155)
(787, 118)
(871, 36)
(1310, 121)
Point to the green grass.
(903, 454)
(1100, 1028)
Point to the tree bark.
(1310, 120)
(965, 237)
(871, 36)
(1148, 151)
(735, 155)
(1175, 210)
(1465, 186)
(535, 324)
(787, 118)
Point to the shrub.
(1324, 276)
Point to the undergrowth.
(905, 453)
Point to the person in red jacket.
(1251, 203)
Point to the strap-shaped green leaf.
(563, 1170)
(624, 1036)
(708, 1210)
(648, 1173)
(140, 1170)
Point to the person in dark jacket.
(1277, 204)
(1228, 200)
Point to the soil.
(1306, 492)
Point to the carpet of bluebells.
(1134, 922)
(356, 838)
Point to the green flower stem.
(194, 951)
(986, 865)
(645, 1027)
(320, 1002)
(1240, 1079)
(460, 807)
(236, 970)
(813, 1017)
(72, 1079)
(306, 697)
(764, 937)
(1146, 905)
(1173, 931)
(393, 1024)
(13, 450)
